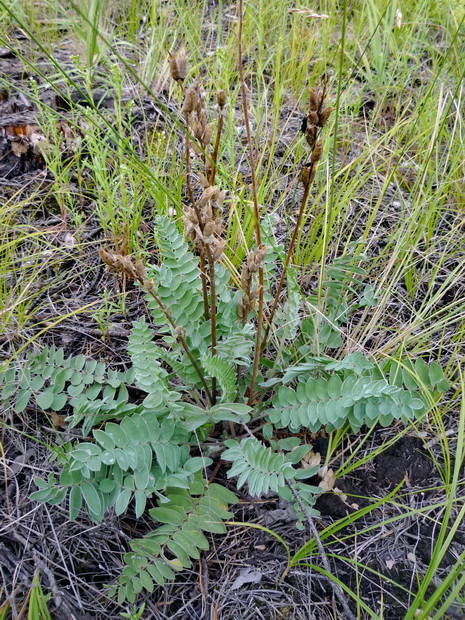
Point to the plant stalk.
(258, 234)
(269, 319)
(181, 340)
(216, 148)
(206, 309)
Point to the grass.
(391, 180)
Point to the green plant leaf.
(92, 498)
(141, 501)
(75, 502)
(167, 515)
(122, 501)
(45, 399)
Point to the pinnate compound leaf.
(224, 372)
(260, 467)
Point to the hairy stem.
(209, 309)
(286, 264)
(206, 310)
(258, 234)
(216, 148)
(211, 264)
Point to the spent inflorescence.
(250, 293)
(316, 118)
(195, 114)
(203, 217)
(204, 222)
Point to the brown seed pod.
(313, 118)
(311, 135)
(208, 229)
(218, 253)
(189, 100)
(305, 175)
(324, 116)
(221, 99)
(245, 276)
(207, 136)
(140, 270)
(314, 100)
(317, 152)
(178, 66)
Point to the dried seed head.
(245, 277)
(251, 260)
(220, 198)
(106, 257)
(311, 135)
(119, 263)
(140, 270)
(305, 175)
(261, 254)
(202, 116)
(178, 66)
(197, 129)
(221, 99)
(317, 152)
(314, 100)
(179, 330)
(208, 229)
(204, 182)
(208, 213)
(324, 116)
(218, 253)
(312, 118)
(192, 216)
(207, 136)
(207, 195)
(191, 99)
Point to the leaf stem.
(181, 339)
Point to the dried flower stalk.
(316, 118)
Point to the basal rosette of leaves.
(152, 451)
